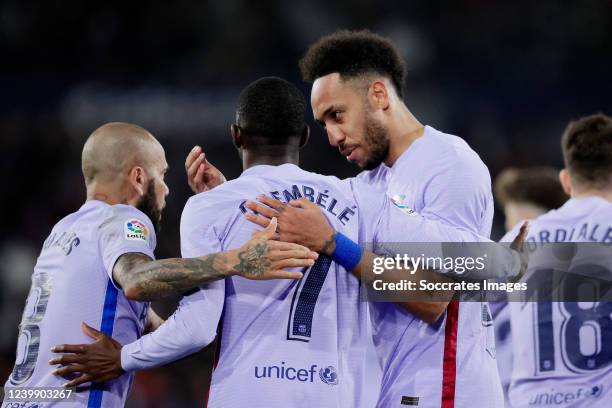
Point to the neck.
(403, 130)
(606, 195)
(106, 193)
(272, 157)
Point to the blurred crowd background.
(506, 76)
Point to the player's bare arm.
(201, 175)
(303, 222)
(260, 258)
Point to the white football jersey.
(72, 283)
(449, 363)
(563, 350)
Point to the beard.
(376, 141)
(148, 205)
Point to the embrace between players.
(297, 341)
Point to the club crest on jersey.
(136, 230)
(328, 375)
(400, 202)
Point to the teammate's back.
(563, 349)
(562, 353)
(288, 338)
(70, 285)
(73, 281)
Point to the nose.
(334, 135)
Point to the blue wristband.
(347, 253)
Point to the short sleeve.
(381, 220)
(194, 324)
(126, 230)
(460, 194)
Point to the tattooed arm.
(141, 278)
(144, 279)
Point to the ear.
(564, 178)
(236, 136)
(137, 178)
(305, 136)
(378, 95)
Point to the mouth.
(349, 152)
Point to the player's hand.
(201, 175)
(264, 257)
(96, 362)
(517, 245)
(300, 221)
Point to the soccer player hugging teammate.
(563, 350)
(358, 79)
(98, 261)
(283, 343)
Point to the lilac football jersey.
(72, 283)
(563, 350)
(283, 342)
(448, 363)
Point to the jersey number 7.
(305, 299)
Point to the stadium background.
(506, 77)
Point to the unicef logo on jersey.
(283, 371)
(596, 391)
(565, 397)
(328, 375)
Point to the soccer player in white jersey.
(357, 96)
(563, 350)
(98, 260)
(283, 343)
(523, 194)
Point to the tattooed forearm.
(144, 279)
(253, 260)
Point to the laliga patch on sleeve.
(135, 230)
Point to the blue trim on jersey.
(106, 327)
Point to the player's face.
(153, 201)
(349, 120)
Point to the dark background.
(507, 77)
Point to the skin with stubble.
(364, 118)
(124, 164)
